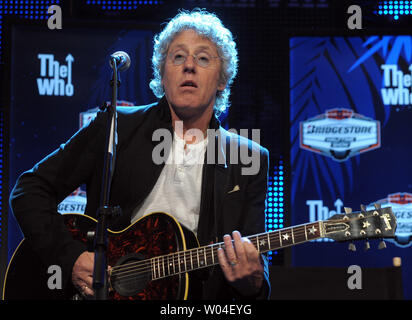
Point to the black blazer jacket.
(79, 161)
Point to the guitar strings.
(134, 275)
(143, 267)
(149, 264)
(274, 233)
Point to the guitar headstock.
(377, 223)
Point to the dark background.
(260, 94)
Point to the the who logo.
(401, 204)
(340, 134)
(55, 78)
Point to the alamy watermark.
(54, 282)
(55, 20)
(355, 280)
(355, 20)
(218, 148)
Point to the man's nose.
(190, 63)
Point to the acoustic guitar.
(155, 257)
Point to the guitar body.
(153, 235)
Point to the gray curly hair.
(205, 24)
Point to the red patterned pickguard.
(154, 235)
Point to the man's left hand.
(241, 264)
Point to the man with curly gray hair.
(194, 64)
(208, 26)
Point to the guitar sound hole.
(130, 275)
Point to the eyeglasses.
(202, 59)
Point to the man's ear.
(221, 87)
(163, 86)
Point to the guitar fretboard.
(202, 257)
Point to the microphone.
(122, 60)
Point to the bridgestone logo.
(339, 130)
(340, 134)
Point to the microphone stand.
(105, 211)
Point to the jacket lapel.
(214, 183)
(221, 175)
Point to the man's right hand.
(82, 274)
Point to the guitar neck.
(206, 256)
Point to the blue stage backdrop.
(58, 80)
(350, 117)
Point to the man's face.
(191, 89)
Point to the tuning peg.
(382, 245)
(347, 210)
(352, 247)
(367, 245)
